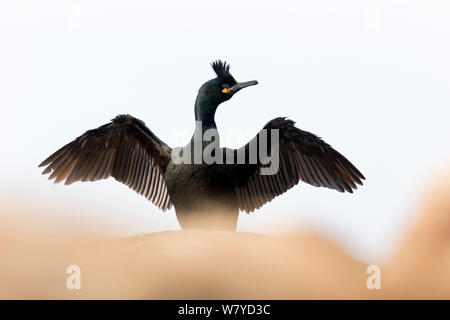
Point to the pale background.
(370, 77)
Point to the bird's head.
(223, 87)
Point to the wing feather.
(301, 156)
(124, 149)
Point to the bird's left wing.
(124, 149)
(301, 156)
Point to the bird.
(205, 194)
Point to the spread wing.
(124, 149)
(302, 156)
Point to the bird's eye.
(225, 88)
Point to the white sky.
(370, 77)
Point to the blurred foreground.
(219, 265)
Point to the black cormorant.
(205, 193)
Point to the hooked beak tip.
(241, 85)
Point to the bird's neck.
(204, 112)
(205, 125)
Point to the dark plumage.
(222, 69)
(205, 195)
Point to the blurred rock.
(219, 265)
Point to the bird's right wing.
(124, 149)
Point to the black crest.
(222, 69)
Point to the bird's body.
(208, 185)
(203, 195)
